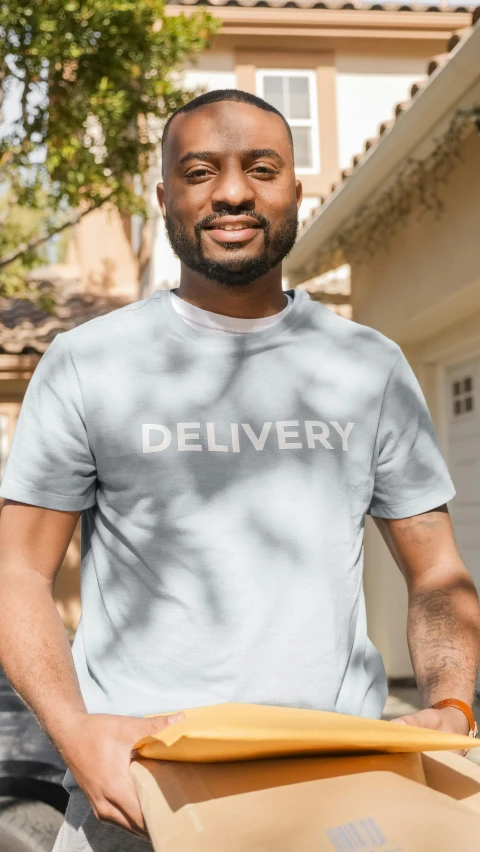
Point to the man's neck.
(262, 298)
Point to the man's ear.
(161, 198)
(299, 192)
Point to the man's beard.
(234, 272)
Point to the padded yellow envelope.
(247, 731)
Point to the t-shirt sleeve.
(410, 475)
(50, 463)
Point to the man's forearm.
(443, 636)
(34, 650)
(97, 749)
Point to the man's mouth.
(233, 229)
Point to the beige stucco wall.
(428, 276)
(422, 290)
(367, 88)
(215, 69)
(101, 248)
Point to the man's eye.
(197, 173)
(264, 170)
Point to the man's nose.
(233, 189)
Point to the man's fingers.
(127, 816)
(158, 723)
(411, 720)
(107, 812)
(423, 719)
(125, 799)
(149, 727)
(118, 819)
(136, 729)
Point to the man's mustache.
(213, 217)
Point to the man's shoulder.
(131, 322)
(360, 342)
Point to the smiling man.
(224, 443)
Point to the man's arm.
(35, 654)
(443, 627)
(33, 543)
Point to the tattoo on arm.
(443, 616)
(433, 626)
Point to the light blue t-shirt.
(224, 482)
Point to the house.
(406, 219)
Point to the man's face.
(229, 198)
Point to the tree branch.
(43, 238)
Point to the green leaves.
(17, 225)
(47, 25)
(94, 77)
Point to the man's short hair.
(224, 95)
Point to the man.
(224, 444)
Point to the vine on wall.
(416, 188)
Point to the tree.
(91, 82)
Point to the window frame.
(312, 123)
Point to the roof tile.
(436, 62)
(334, 4)
(27, 329)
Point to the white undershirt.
(200, 319)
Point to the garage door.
(463, 394)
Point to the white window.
(294, 94)
(463, 396)
(3, 443)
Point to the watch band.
(463, 707)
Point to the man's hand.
(97, 749)
(450, 720)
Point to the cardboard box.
(249, 778)
(376, 803)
